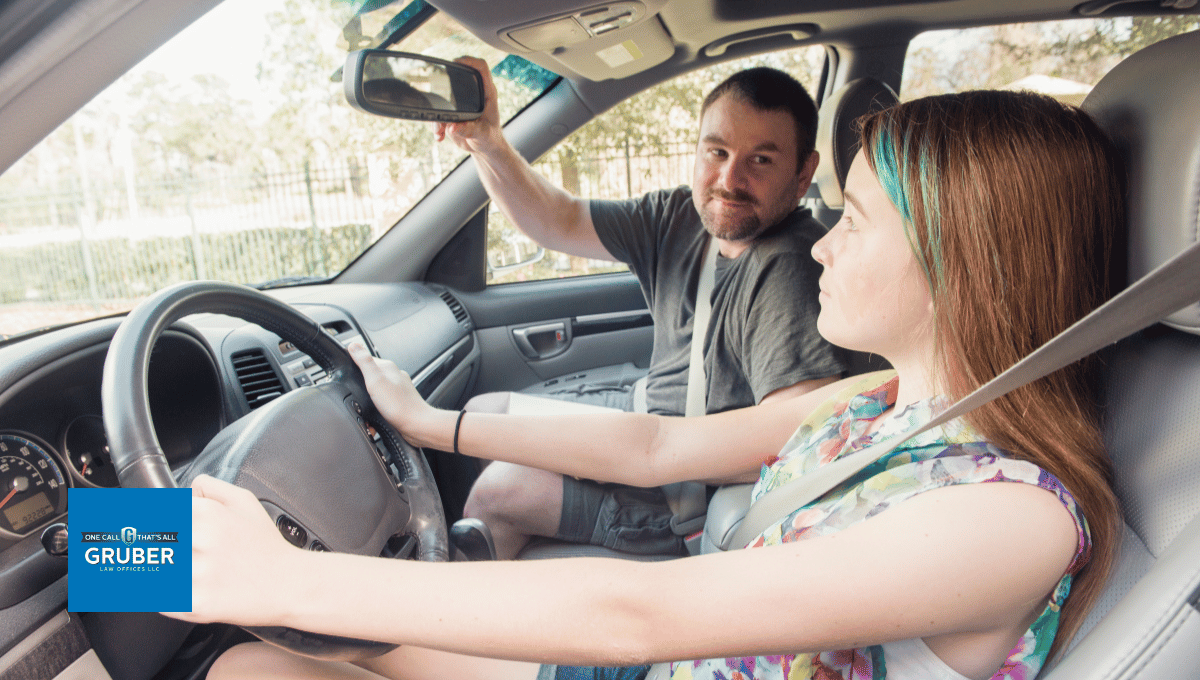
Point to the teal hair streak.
(898, 188)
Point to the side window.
(644, 143)
(1063, 59)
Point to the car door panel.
(536, 332)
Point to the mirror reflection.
(401, 81)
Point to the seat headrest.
(837, 136)
(1150, 106)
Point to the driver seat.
(1147, 624)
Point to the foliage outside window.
(1063, 59)
(645, 143)
(197, 166)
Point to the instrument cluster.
(33, 484)
(52, 435)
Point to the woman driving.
(971, 551)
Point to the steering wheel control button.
(294, 533)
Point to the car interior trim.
(508, 304)
(56, 645)
(104, 38)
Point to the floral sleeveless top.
(951, 454)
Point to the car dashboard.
(206, 371)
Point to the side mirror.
(411, 86)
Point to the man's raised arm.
(546, 213)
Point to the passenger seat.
(836, 141)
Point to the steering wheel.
(307, 455)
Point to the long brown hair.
(1011, 201)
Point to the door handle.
(543, 340)
(613, 321)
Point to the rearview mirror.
(411, 86)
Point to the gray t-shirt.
(763, 334)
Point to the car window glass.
(645, 143)
(229, 153)
(1063, 59)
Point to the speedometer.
(33, 489)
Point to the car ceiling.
(55, 56)
(694, 26)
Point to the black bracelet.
(457, 427)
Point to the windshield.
(246, 165)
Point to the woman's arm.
(629, 448)
(971, 565)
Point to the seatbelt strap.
(1170, 287)
(688, 500)
(639, 395)
(697, 387)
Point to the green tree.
(1082, 50)
(1088, 56)
(184, 125)
(298, 60)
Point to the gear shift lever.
(472, 540)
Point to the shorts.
(549, 672)
(619, 517)
(615, 516)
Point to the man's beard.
(744, 227)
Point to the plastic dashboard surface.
(206, 372)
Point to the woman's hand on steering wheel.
(392, 390)
(238, 557)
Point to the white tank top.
(913, 660)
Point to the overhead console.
(596, 41)
(549, 35)
(606, 41)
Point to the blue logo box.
(129, 550)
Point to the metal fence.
(100, 241)
(104, 240)
(622, 171)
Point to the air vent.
(259, 381)
(460, 313)
(336, 328)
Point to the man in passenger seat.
(754, 162)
